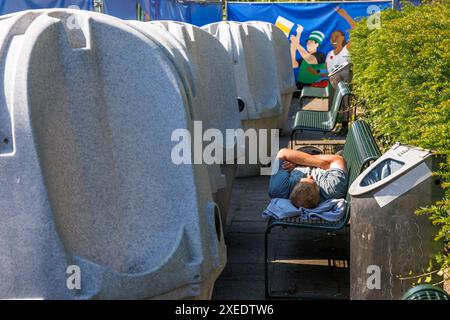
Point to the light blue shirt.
(333, 183)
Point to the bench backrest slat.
(360, 149)
(341, 91)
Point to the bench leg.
(301, 103)
(294, 137)
(291, 141)
(266, 261)
(353, 101)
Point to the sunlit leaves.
(402, 80)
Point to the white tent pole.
(98, 5)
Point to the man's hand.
(340, 10)
(346, 16)
(295, 41)
(288, 166)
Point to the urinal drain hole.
(241, 104)
(217, 223)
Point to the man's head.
(314, 41)
(305, 194)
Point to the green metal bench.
(314, 92)
(325, 121)
(426, 292)
(359, 151)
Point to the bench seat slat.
(322, 120)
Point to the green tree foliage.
(401, 76)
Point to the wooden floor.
(302, 256)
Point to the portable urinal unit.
(213, 104)
(256, 75)
(94, 204)
(286, 76)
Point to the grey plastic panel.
(285, 75)
(203, 62)
(258, 86)
(87, 177)
(255, 67)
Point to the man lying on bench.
(308, 179)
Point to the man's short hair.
(305, 195)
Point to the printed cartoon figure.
(338, 65)
(312, 61)
(340, 54)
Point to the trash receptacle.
(256, 75)
(389, 242)
(92, 205)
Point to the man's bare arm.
(349, 20)
(322, 161)
(296, 46)
(336, 162)
(346, 16)
(302, 158)
(308, 57)
(293, 57)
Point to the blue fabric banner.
(196, 13)
(148, 10)
(10, 6)
(321, 29)
(123, 9)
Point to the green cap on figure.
(317, 36)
